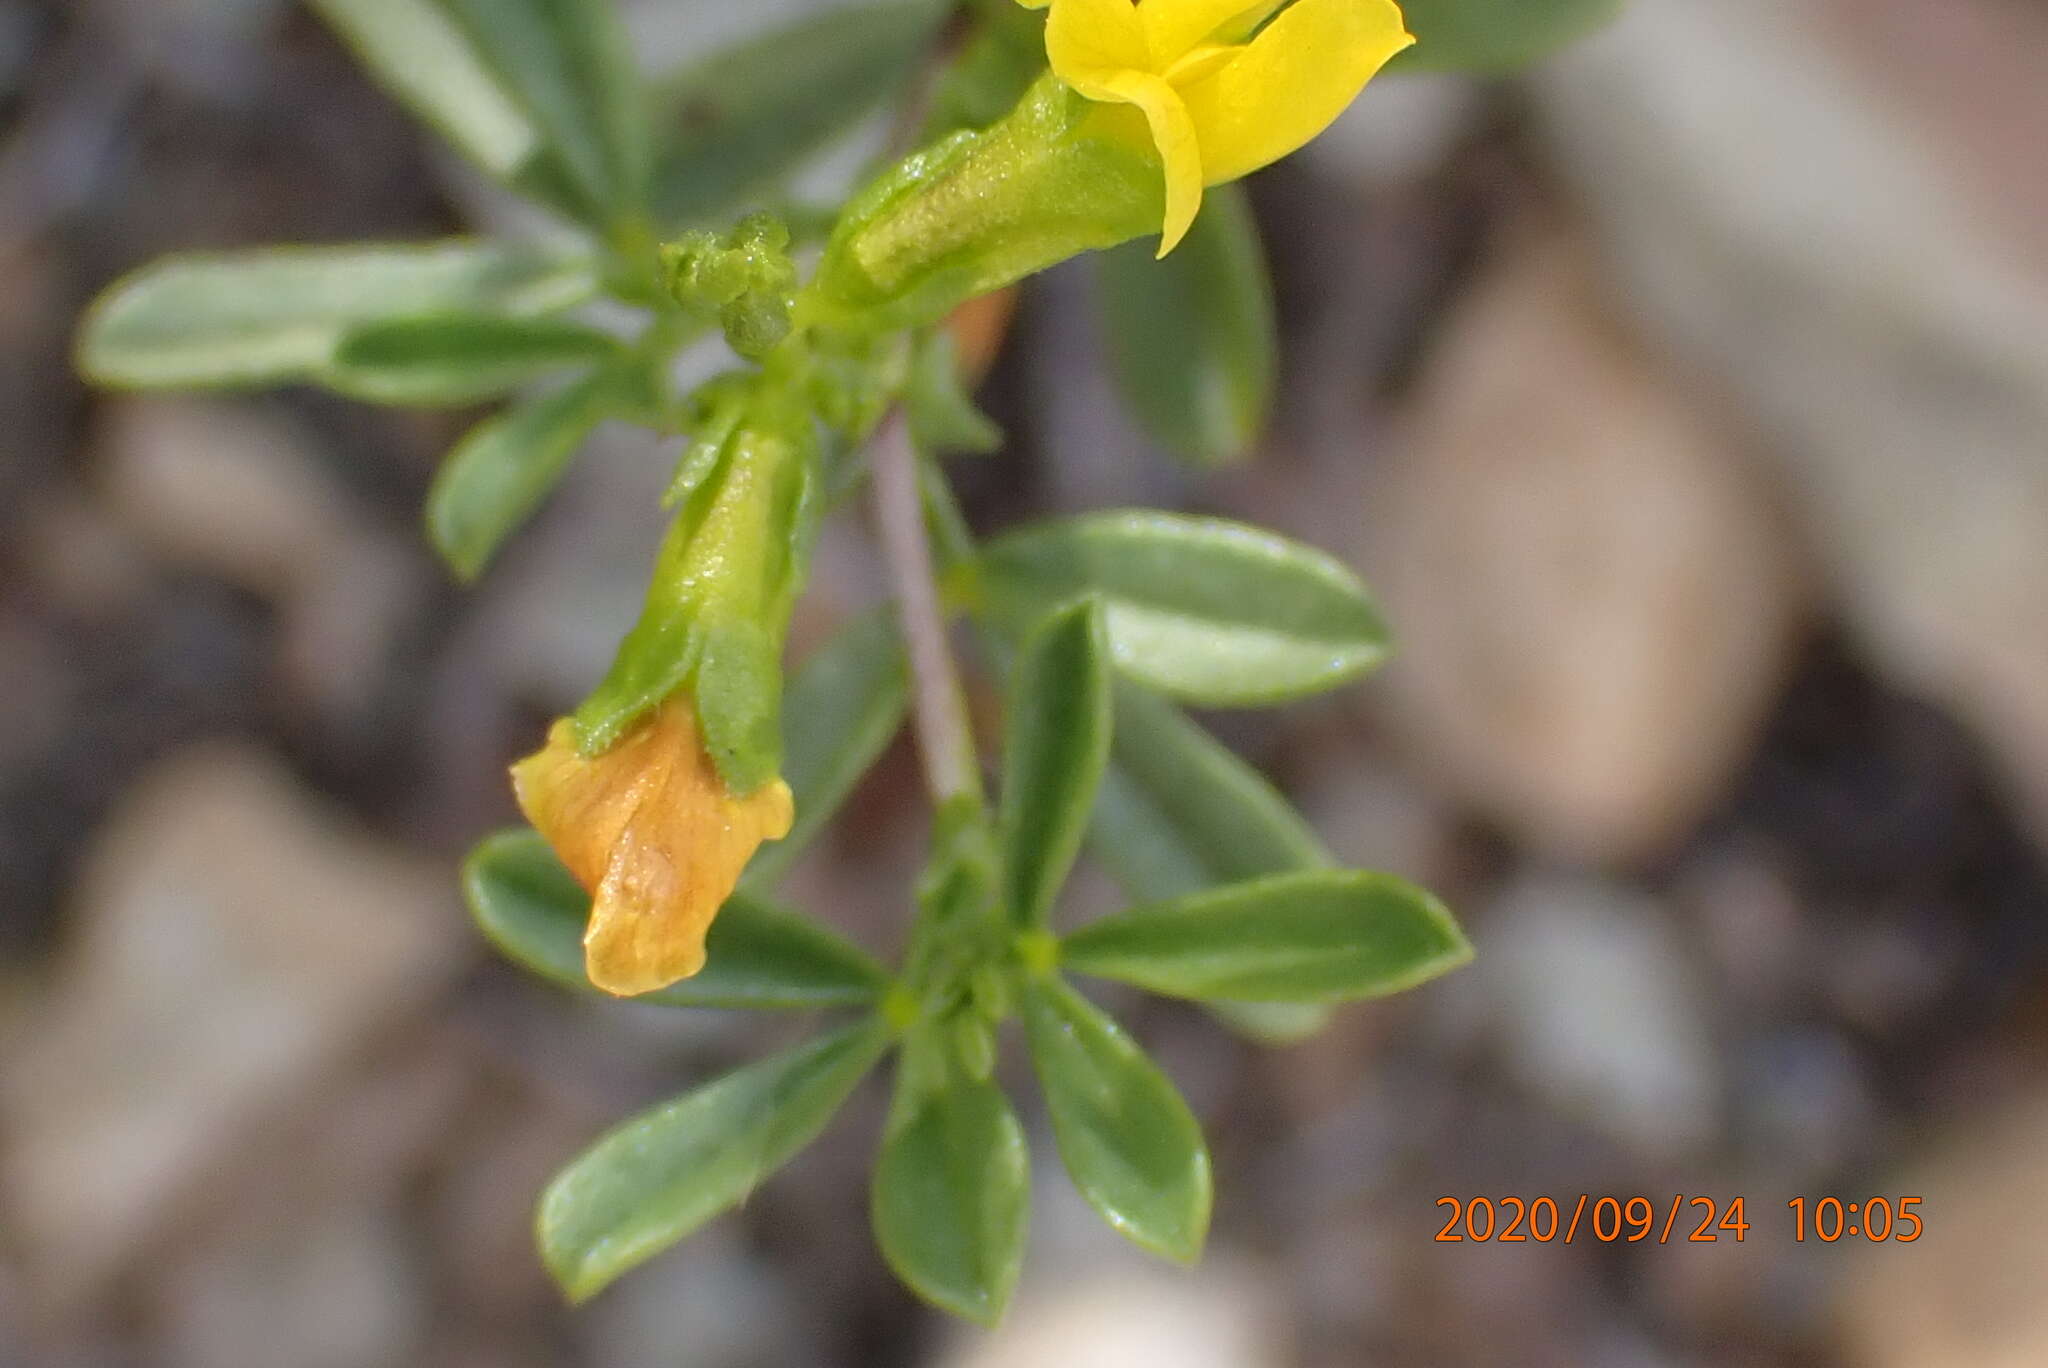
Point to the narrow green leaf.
(1054, 750)
(1178, 813)
(942, 414)
(995, 66)
(569, 65)
(426, 62)
(1496, 35)
(951, 1198)
(499, 473)
(1322, 936)
(841, 709)
(448, 360)
(757, 955)
(1270, 1023)
(1126, 1136)
(1193, 339)
(738, 122)
(273, 315)
(1210, 612)
(663, 1174)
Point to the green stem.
(939, 708)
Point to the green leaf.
(961, 884)
(951, 1198)
(1211, 612)
(741, 120)
(273, 315)
(838, 714)
(1179, 812)
(1271, 1023)
(1495, 35)
(663, 1174)
(942, 414)
(1321, 936)
(499, 473)
(1055, 747)
(425, 61)
(757, 956)
(1126, 1136)
(448, 360)
(1193, 339)
(996, 65)
(569, 65)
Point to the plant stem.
(939, 709)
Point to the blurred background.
(1687, 402)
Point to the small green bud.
(974, 1046)
(762, 236)
(1039, 952)
(756, 323)
(748, 280)
(683, 264)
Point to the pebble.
(1599, 1011)
(231, 941)
(1592, 596)
(1796, 211)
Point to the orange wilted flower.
(650, 830)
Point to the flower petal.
(1173, 134)
(1174, 26)
(581, 806)
(1087, 41)
(650, 830)
(1291, 82)
(1199, 63)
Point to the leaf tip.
(473, 876)
(567, 1269)
(1458, 948)
(1183, 1246)
(465, 561)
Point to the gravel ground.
(1739, 809)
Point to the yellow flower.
(1223, 92)
(649, 829)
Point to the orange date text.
(1586, 1219)
(1678, 1219)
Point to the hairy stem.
(939, 709)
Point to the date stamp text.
(1675, 1219)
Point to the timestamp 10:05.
(1696, 1220)
(1876, 1219)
